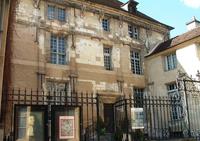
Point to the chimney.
(132, 6)
(193, 24)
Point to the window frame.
(176, 110)
(170, 61)
(55, 49)
(55, 15)
(133, 31)
(107, 58)
(106, 24)
(136, 62)
(138, 96)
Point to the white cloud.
(192, 3)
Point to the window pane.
(105, 24)
(22, 122)
(21, 133)
(133, 31)
(53, 58)
(130, 31)
(107, 58)
(135, 62)
(61, 14)
(61, 59)
(58, 51)
(51, 12)
(61, 45)
(171, 62)
(53, 43)
(138, 97)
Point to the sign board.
(66, 127)
(137, 118)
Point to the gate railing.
(86, 102)
(163, 117)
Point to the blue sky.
(175, 13)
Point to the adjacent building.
(173, 70)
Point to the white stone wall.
(188, 62)
(188, 59)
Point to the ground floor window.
(177, 108)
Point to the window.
(171, 88)
(30, 123)
(58, 50)
(170, 62)
(135, 62)
(107, 58)
(56, 13)
(177, 108)
(138, 97)
(105, 24)
(133, 31)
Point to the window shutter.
(48, 47)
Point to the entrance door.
(109, 117)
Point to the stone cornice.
(114, 13)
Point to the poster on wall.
(137, 118)
(66, 127)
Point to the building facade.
(173, 71)
(76, 46)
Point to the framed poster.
(66, 127)
(137, 118)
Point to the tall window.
(138, 97)
(170, 62)
(107, 58)
(105, 24)
(135, 62)
(177, 108)
(58, 50)
(55, 13)
(133, 31)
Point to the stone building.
(92, 45)
(4, 14)
(177, 55)
(173, 70)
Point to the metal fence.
(86, 103)
(162, 118)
